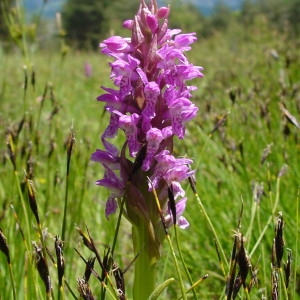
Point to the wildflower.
(150, 105)
(88, 70)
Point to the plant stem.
(12, 281)
(183, 263)
(145, 264)
(69, 154)
(183, 292)
(283, 286)
(28, 232)
(211, 226)
(296, 244)
(274, 207)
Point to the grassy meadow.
(245, 144)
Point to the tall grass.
(245, 144)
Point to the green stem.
(12, 281)
(145, 264)
(283, 286)
(69, 154)
(183, 292)
(274, 208)
(262, 250)
(184, 265)
(251, 224)
(296, 259)
(28, 232)
(213, 231)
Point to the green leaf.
(155, 294)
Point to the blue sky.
(54, 6)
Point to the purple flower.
(129, 125)
(112, 182)
(154, 137)
(114, 45)
(181, 221)
(150, 105)
(107, 159)
(88, 70)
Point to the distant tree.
(117, 12)
(187, 17)
(281, 13)
(183, 15)
(85, 22)
(5, 6)
(221, 16)
(293, 15)
(248, 12)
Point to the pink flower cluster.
(150, 104)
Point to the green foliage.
(119, 11)
(5, 5)
(221, 17)
(84, 22)
(3, 27)
(283, 15)
(27, 34)
(87, 22)
(186, 17)
(243, 95)
(293, 15)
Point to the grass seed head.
(20, 126)
(84, 290)
(266, 153)
(119, 277)
(275, 280)
(33, 78)
(287, 268)
(3, 246)
(10, 148)
(254, 279)
(220, 122)
(107, 262)
(236, 285)
(258, 191)
(278, 245)
(32, 199)
(52, 148)
(42, 267)
(243, 263)
(59, 246)
(86, 240)
(283, 171)
(290, 118)
(25, 78)
(88, 269)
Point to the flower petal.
(111, 206)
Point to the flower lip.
(111, 206)
(106, 158)
(116, 44)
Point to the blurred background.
(85, 23)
